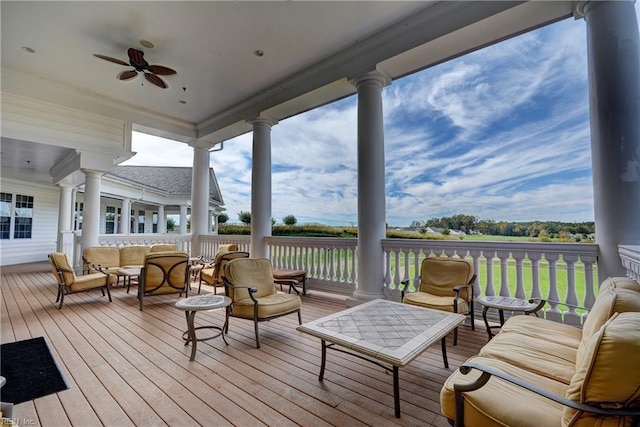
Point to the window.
(77, 225)
(20, 213)
(110, 220)
(140, 221)
(5, 215)
(155, 222)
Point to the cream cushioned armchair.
(445, 284)
(69, 283)
(254, 296)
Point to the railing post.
(553, 313)
(519, 257)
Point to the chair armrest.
(405, 284)
(458, 288)
(488, 371)
(292, 284)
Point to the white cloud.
(501, 134)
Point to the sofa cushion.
(620, 283)
(501, 403)
(537, 327)
(611, 300)
(608, 373)
(133, 256)
(540, 356)
(104, 256)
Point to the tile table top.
(389, 331)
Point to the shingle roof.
(173, 180)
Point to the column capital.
(582, 7)
(376, 77)
(263, 120)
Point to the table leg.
(396, 392)
(444, 353)
(501, 313)
(192, 334)
(324, 359)
(486, 322)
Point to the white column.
(91, 219)
(371, 190)
(65, 213)
(183, 219)
(261, 186)
(199, 195)
(125, 216)
(162, 220)
(613, 50)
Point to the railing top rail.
(559, 248)
(334, 241)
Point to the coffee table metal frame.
(383, 331)
(197, 303)
(507, 303)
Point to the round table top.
(203, 302)
(507, 303)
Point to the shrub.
(289, 220)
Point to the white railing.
(518, 270)
(330, 262)
(563, 273)
(183, 241)
(209, 244)
(630, 257)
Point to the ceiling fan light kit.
(140, 65)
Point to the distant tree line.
(471, 224)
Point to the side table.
(288, 274)
(199, 303)
(506, 303)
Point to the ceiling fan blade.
(155, 80)
(127, 75)
(108, 58)
(136, 58)
(159, 69)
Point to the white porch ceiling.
(311, 49)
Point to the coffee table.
(129, 273)
(509, 304)
(199, 303)
(384, 331)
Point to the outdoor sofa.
(536, 372)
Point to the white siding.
(45, 224)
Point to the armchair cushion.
(269, 306)
(438, 274)
(255, 273)
(443, 303)
(536, 327)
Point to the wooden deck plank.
(127, 367)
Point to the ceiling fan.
(140, 65)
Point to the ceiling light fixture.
(28, 49)
(258, 52)
(147, 44)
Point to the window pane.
(22, 228)
(5, 227)
(5, 204)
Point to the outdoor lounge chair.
(69, 283)
(213, 275)
(445, 284)
(250, 285)
(164, 273)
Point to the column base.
(360, 297)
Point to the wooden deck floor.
(130, 368)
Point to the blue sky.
(502, 134)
